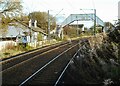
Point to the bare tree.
(10, 7)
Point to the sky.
(107, 10)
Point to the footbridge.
(82, 17)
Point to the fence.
(4, 44)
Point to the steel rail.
(43, 67)
(59, 78)
(33, 57)
(30, 52)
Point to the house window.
(33, 24)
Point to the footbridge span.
(82, 17)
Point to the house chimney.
(30, 23)
(35, 23)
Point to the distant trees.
(70, 31)
(4, 25)
(42, 20)
(23, 18)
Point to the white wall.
(4, 43)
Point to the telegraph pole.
(77, 29)
(94, 22)
(77, 26)
(48, 25)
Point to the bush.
(65, 38)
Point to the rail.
(8, 61)
(30, 77)
(59, 78)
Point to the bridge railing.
(81, 17)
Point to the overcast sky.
(107, 10)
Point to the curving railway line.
(41, 66)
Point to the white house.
(30, 31)
(9, 37)
(59, 31)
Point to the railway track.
(39, 66)
(7, 63)
(59, 80)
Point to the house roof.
(37, 29)
(12, 32)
